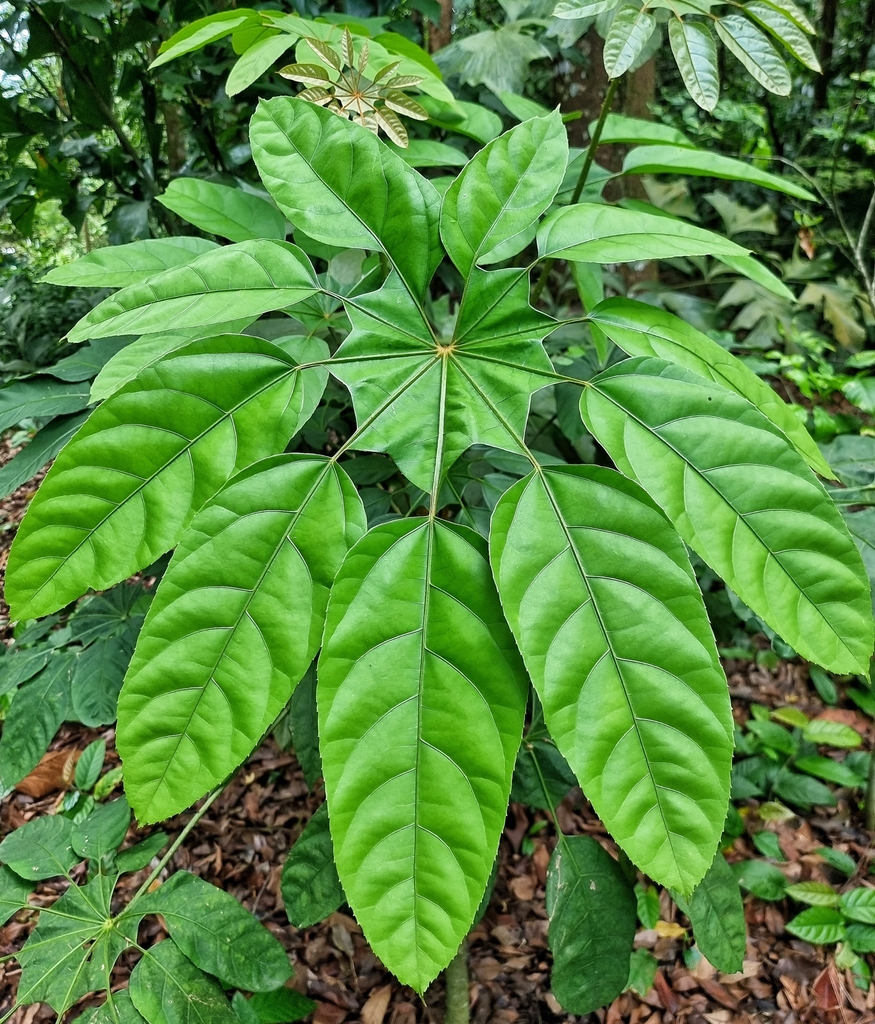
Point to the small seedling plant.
(429, 637)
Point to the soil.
(241, 843)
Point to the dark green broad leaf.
(684, 160)
(425, 400)
(139, 856)
(97, 680)
(116, 1009)
(37, 711)
(695, 53)
(752, 48)
(233, 281)
(281, 1006)
(762, 879)
(42, 449)
(310, 887)
(223, 647)
(117, 266)
(594, 233)
(643, 330)
(167, 988)
(217, 934)
(599, 592)
(743, 499)
(305, 727)
(312, 161)
(43, 848)
(21, 665)
(13, 893)
(147, 459)
(115, 613)
(74, 946)
(716, 913)
(102, 830)
(228, 212)
(90, 763)
(491, 210)
(87, 361)
(591, 908)
(40, 398)
(151, 348)
(862, 527)
(420, 716)
(541, 777)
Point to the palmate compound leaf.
(743, 499)
(121, 492)
(591, 908)
(167, 988)
(233, 281)
(322, 171)
(425, 400)
(421, 710)
(642, 330)
(602, 600)
(491, 210)
(235, 623)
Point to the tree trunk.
(441, 34)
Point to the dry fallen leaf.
(377, 1004)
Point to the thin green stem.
(456, 977)
(180, 839)
(560, 835)
(581, 179)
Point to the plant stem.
(456, 977)
(180, 839)
(581, 178)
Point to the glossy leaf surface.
(752, 49)
(420, 716)
(117, 266)
(234, 281)
(147, 459)
(228, 212)
(628, 34)
(600, 595)
(312, 163)
(490, 211)
(592, 924)
(310, 887)
(224, 646)
(641, 330)
(695, 53)
(743, 499)
(716, 913)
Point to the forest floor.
(241, 843)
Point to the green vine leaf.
(491, 210)
(147, 459)
(222, 649)
(727, 478)
(310, 161)
(605, 608)
(420, 716)
(242, 280)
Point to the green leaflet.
(743, 499)
(121, 492)
(642, 330)
(97, 680)
(685, 160)
(13, 893)
(167, 988)
(256, 60)
(312, 163)
(223, 646)
(38, 398)
(39, 708)
(628, 34)
(605, 608)
(783, 28)
(620, 128)
(593, 233)
(716, 913)
(234, 281)
(426, 400)
(490, 212)
(117, 266)
(695, 53)
(201, 33)
(420, 716)
(102, 830)
(583, 8)
(752, 49)
(228, 212)
(217, 934)
(592, 924)
(43, 848)
(310, 887)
